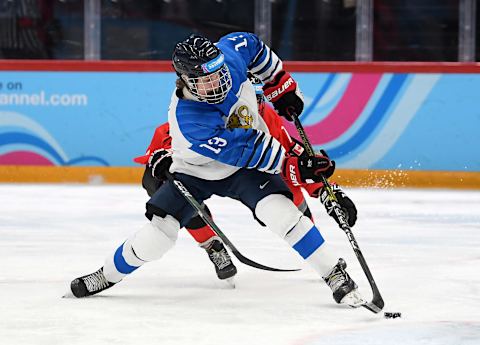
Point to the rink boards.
(345, 177)
(393, 124)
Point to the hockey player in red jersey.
(157, 160)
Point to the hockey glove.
(160, 161)
(297, 149)
(346, 204)
(284, 94)
(307, 169)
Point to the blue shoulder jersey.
(213, 141)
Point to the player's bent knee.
(168, 225)
(278, 213)
(155, 238)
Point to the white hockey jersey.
(213, 141)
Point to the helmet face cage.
(201, 66)
(211, 88)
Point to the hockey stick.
(201, 211)
(377, 303)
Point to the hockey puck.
(391, 315)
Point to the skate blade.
(353, 299)
(229, 283)
(68, 294)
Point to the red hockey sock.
(202, 234)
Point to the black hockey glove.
(306, 169)
(346, 204)
(160, 161)
(284, 94)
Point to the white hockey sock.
(149, 243)
(282, 217)
(306, 239)
(122, 262)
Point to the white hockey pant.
(150, 243)
(281, 216)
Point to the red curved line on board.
(24, 158)
(348, 110)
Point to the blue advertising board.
(401, 121)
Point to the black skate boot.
(343, 287)
(221, 260)
(90, 284)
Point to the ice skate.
(343, 287)
(90, 284)
(220, 258)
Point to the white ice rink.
(422, 246)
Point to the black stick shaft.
(377, 302)
(199, 208)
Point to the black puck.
(391, 315)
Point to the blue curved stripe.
(322, 111)
(23, 138)
(120, 263)
(19, 138)
(309, 243)
(86, 159)
(375, 118)
(318, 96)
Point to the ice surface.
(422, 247)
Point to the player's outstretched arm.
(307, 169)
(279, 86)
(316, 190)
(285, 95)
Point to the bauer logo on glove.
(284, 94)
(277, 92)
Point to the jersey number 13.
(215, 144)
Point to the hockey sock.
(149, 243)
(123, 262)
(283, 217)
(199, 230)
(307, 240)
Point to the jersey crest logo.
(240, 118)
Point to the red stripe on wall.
(292, 66)
(383, 67)
(86, 66)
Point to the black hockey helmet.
(200, 64)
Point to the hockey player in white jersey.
(243, 162)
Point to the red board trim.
(292, 66)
